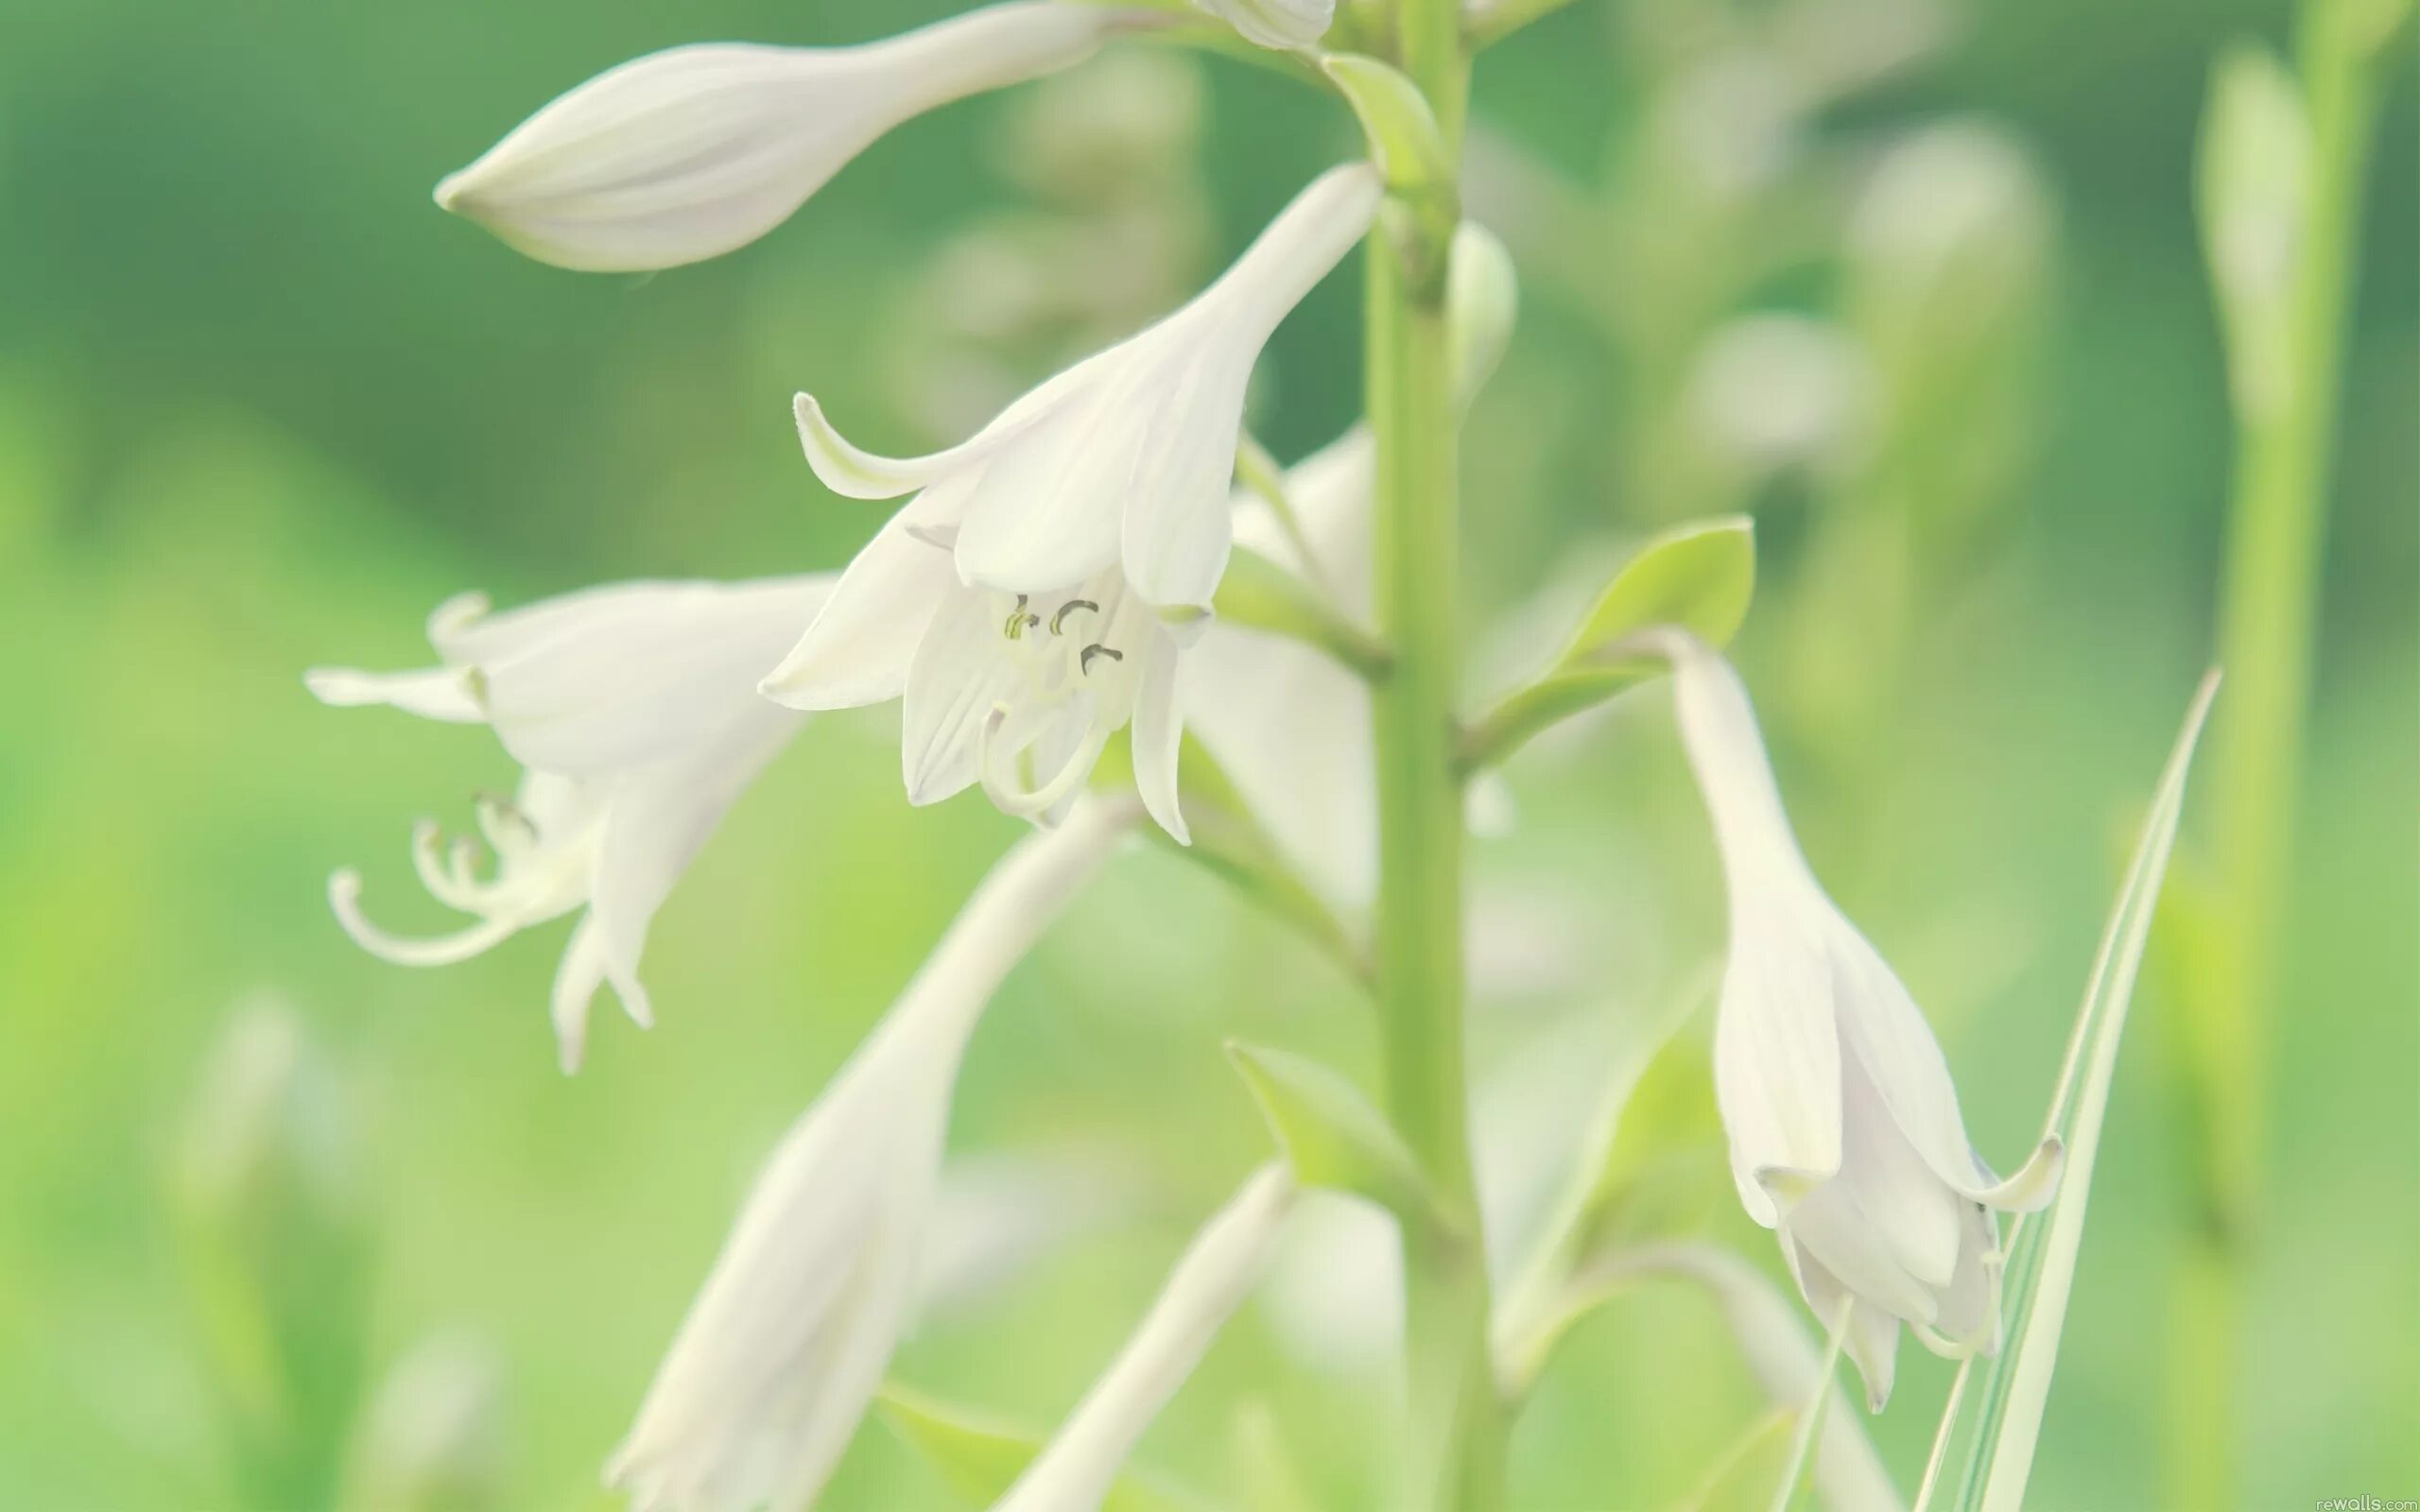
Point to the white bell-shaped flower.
(1019, 692)
(1286, 24)
(781, 1352)
(635, 712)
(696, 151)
(1123, 460)
(1843, 1123)
(1076, 1470)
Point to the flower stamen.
(1068, 608)
(1084, 665)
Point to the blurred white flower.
(1286, 722)
(1777, 391)
(1075, 1470)
(1844, 1122)
(1955, 210)
(783, 1346)
(1121, 461)
(433, 1440)
(1286, 24)
(695, 151)
(634, 708)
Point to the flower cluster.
(1048, 585)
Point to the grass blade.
(2016, 1385)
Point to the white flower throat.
(1067, 670)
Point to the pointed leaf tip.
(1332, 1136)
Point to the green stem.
(1457, 1420)
(2277, 523)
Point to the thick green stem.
(1457, 1421)
(2277, 527)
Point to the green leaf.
(1257, 592)
(1795, 1487)
(1405, 141)
(2012, 1390)
(1332, 1136)
(980, 1458)
(1743, 1479)
(1266, 1476)
(1698, 576)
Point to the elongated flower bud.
(783, 1346)
(696, 151)
(1284, 25)
(1075, 1472)
(1846, 1134)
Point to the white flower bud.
(692, 152)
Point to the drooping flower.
(783, 1348)
(695, 151)
(1284, 25)
(1033, 599)
(632, 709)
(1843, 1123)
(1123, 460)
(1074, 1472)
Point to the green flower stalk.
(2283, 164)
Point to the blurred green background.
(261, 405)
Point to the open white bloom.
(1286, 24)
(786, 1344)
(1121, 461)
(696, 151)
(1033, 599)
(1844, 1122)
(634, 708)
(1074, 1472)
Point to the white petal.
(433, 692)
(1074, 1472)
(1159, 731)
(1912, 1213)
(639, 676)
(1887, 1034)
(858, 648)
(656, 823)
(1829, 1225)
(692, 152)
(960, 674)
(1177, 529)
(1296, 251)
(578, 976)
(1044, 511)
(1776, 1061)
(1284, 25)
(1873, 1335)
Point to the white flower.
(783, 1346)
(1284, 25)
(692, 152)
(1288, 723)
(1843, 1123)
(1123, 460)
(634, 708)
(1074, 1472)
